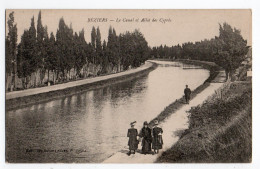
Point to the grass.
(220, 130)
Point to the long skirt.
(133, 143)
(146, 146)
(157, 142)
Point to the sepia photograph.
(128, 86)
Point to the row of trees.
(42, 52)
(228, 50)
(39, 51)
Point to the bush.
(220, 130)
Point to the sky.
(181, 25)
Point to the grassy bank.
(220, 130)
(43, 97)
(176, 105)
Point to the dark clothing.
(157, 138)
(133, 142)
(147, 139)
(187, 93)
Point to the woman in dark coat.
(157, 138)
(147, 139)
(133, 142)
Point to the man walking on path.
(187, 93)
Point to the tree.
(11, 49)
(104, 58)
(42, 38)
(98, 47)
(231, 49)
(24, 58)
(51, 60)
(34, 53)
(133, 49)
(111, 45)
(80, 51)
(65, 40)
(93, 43)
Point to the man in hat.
(187, 93)
(132, 142)
(157, 137)
(146, 138)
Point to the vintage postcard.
(128, 86)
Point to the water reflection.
(92, 125)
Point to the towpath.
(172, 126)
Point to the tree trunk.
(48, 75)
(54, 80)
(27, 81)
(93, 69)
(23, 83)
(227, 74)
(6, 81)
(14, 74)
(84, 71)
(35, 78)
(42, 75)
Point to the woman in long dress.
(132, 142)
(157, 138)
(146, 136)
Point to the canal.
(92, 125)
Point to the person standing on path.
(157, 137)
(132, 142)
(146, 136)
(187, 93)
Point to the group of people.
(151, 138)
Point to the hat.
(132, 123)
(145, 123)
(156, 122)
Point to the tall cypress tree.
(24, 58)
(51, 61)
(98, 47)
(93, 43)
(11, 49)
(41, 51)
(35, 60)
(113, 47)
(117, 58)
(27, 58)
(64, 39)
(110, 45)
(104, 58)
(40, 32)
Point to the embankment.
(220, 130)
(23, 98)
(176, 105)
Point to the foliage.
(218, 127)
(40, 51)
(228, 50)
(69, 50)
(11, 47)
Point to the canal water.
(92, 125)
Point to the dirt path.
(176, 123)
(34, 91)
